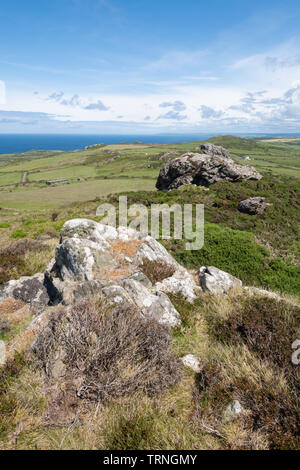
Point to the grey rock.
(118, 297)
(142, 278)
(216, 281)
(29, 289)
(233, 409)
(181, 283)
(152, 250)
(152, 305)
(202, 170)
(215, 150)
(80, 259)
(253, 205)
(82, 229)
(2, 353)
(191, 362)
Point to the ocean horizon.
(20, 143)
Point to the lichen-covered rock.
(124, 234)
(215, 150)
(202, 170)
(181, 283)
(152, 305)
(81, 229)
(216, 281)
(140, 277)
(80, 259)
(253, 205)
(117, 296)
(29, 289)
(153, 251)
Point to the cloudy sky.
(149, 66)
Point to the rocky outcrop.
(96, 260)
(215, 150)
(253, 205)
(29, 289)
(216, 281)
(202, 170)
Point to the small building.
(55, 182)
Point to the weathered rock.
(73, 293)
(215, 150)
(191, 362)
(81, 259)
(181, 283)
(262, 292)
(82, 229)
(152, 250)
(253, 205)
(2, 353)
(29, 289)
(118, 297)
(216, 281)
(140, 277)
(152, 305)
(121, 233)
(233, 409)
(202, 170)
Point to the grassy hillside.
(131, 166)
(243, 340)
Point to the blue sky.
(141, 66)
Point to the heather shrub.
(108, 354)
(156, 271)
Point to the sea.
(20, 143)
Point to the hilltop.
(222, 378)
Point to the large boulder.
(253, 205)
(29, 289)
(215, 150)
(216, 281)
(202, 170)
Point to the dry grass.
(188, 415)
(126, 248)
(24, 258)
(9, 306)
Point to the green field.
(128, 167)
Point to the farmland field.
(97, 172)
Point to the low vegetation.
(133, 391)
